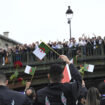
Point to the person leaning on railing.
(89, 47)
(100, 44)
(3, 56)
(104, 45)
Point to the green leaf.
(12, 77)
(16, 73)
(23, 82)
(82, 71)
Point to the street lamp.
(69, 14)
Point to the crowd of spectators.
(87, 46)
(73, 92)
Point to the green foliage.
(14, 75)
(82, 71)
(23, 82)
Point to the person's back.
(102, 101)
(57, 93)
(82, 94)
(102, 91)
(10, 97)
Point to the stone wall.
(4, 44)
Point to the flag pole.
(51, 49)
(76, 58)
(32, 76)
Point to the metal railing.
(29, 57)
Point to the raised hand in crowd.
(65, 58)
(28, 84)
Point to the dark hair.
(101, 87)
(93, 96)
(33, 94)
(81, 96)
(83, 93)
(56, 72)
(2, 77)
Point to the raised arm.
(76, 85)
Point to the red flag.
(66, 74)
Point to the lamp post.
(69, 14)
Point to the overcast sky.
(32, 20)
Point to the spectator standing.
(59, 47)
(10, 97)
(3, 56)
(104, 45)
(95, 45)
(89, 48)
(30, 93)
(57, 93)
(54, 46)
(65, 47)
(0, 56)
(82, 95)
(100, 45)
(70, 45)
(84, 43)
(102, 91)
(74, 48)
(93, 96)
